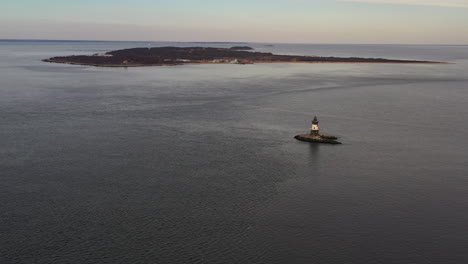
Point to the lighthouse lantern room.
(314, 130)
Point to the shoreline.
(246, 63)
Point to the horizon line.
(223, 42)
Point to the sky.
(284, 21)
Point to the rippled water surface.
(197, 164)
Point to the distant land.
(122, 41)
(205, 55)
(241, 48)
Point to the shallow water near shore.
(198, 164)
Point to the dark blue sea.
(198, 164)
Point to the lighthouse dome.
(315, 121)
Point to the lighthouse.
(314, 130)
(315, 136)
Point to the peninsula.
(204, 55)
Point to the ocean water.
(197, 163)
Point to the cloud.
(448, 3)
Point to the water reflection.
(314, 152)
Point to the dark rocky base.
(327, 139)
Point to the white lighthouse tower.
(314, 130)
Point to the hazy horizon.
(239, 42)
(278, 21)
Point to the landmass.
(241, 48)
(162, 56)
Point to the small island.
(315, 136)
(163, 56)
(241, 48)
